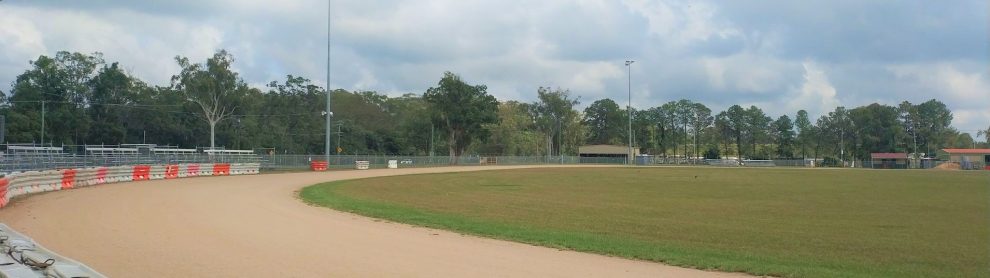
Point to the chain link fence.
(14, 162)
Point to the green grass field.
(780, 222)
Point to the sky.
(781, 56)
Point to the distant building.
(967, 158)
(605, 153)
(889, 160)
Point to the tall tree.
(59, 88)
(212, 86)
(737, 125)
(784, 136)
(724, 132)
(553, 110)
(910, 121)
(985, 133)
(837, 124)
(876, 129)
(111, 90)
(605, 122)
(701, 119)
(934, 121)
(462, 111)
(804, 126)
(515, 133)
(757, 127)
(685, 114)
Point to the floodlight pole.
(42, 123)
(560, 141)
(326, 143)
(629, 110)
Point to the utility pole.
(338, 136)
(629, 110)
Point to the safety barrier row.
(23, 183)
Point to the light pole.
(629, 109)
(560, 141)
(326, 143)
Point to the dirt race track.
(255, 226)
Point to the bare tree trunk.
(213, 135)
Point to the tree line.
(75, 99)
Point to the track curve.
(255, 226)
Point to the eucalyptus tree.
(554, 111)
(462, 111)
(212, 86)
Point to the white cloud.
(682, 22)
(816, 94)
(20, 39)
(144, 44)
(963, 87)
(718, 53)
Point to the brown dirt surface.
(949, 166)
(255, 226)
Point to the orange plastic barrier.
(142, 172)
(172, 171)
(192, 170)
(68, 178)
(101, 175)
(319, 165)
(221, 169)
(3, 192)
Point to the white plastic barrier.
(362, 165)
(157, 172)
(120, 174)
(244, 168)
(33, 182)
(393, 164)
(23, 257)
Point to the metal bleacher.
(24, 157)
(28, 157)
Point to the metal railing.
(14, 162)
(27, 162)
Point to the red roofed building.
(967, 158)
(889, 160)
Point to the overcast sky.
(779, 55)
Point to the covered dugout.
(967, 158)
(889, 160)
(605, 153)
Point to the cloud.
(19, 39)
(779, 55)
(963, 86)
(816, 94)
